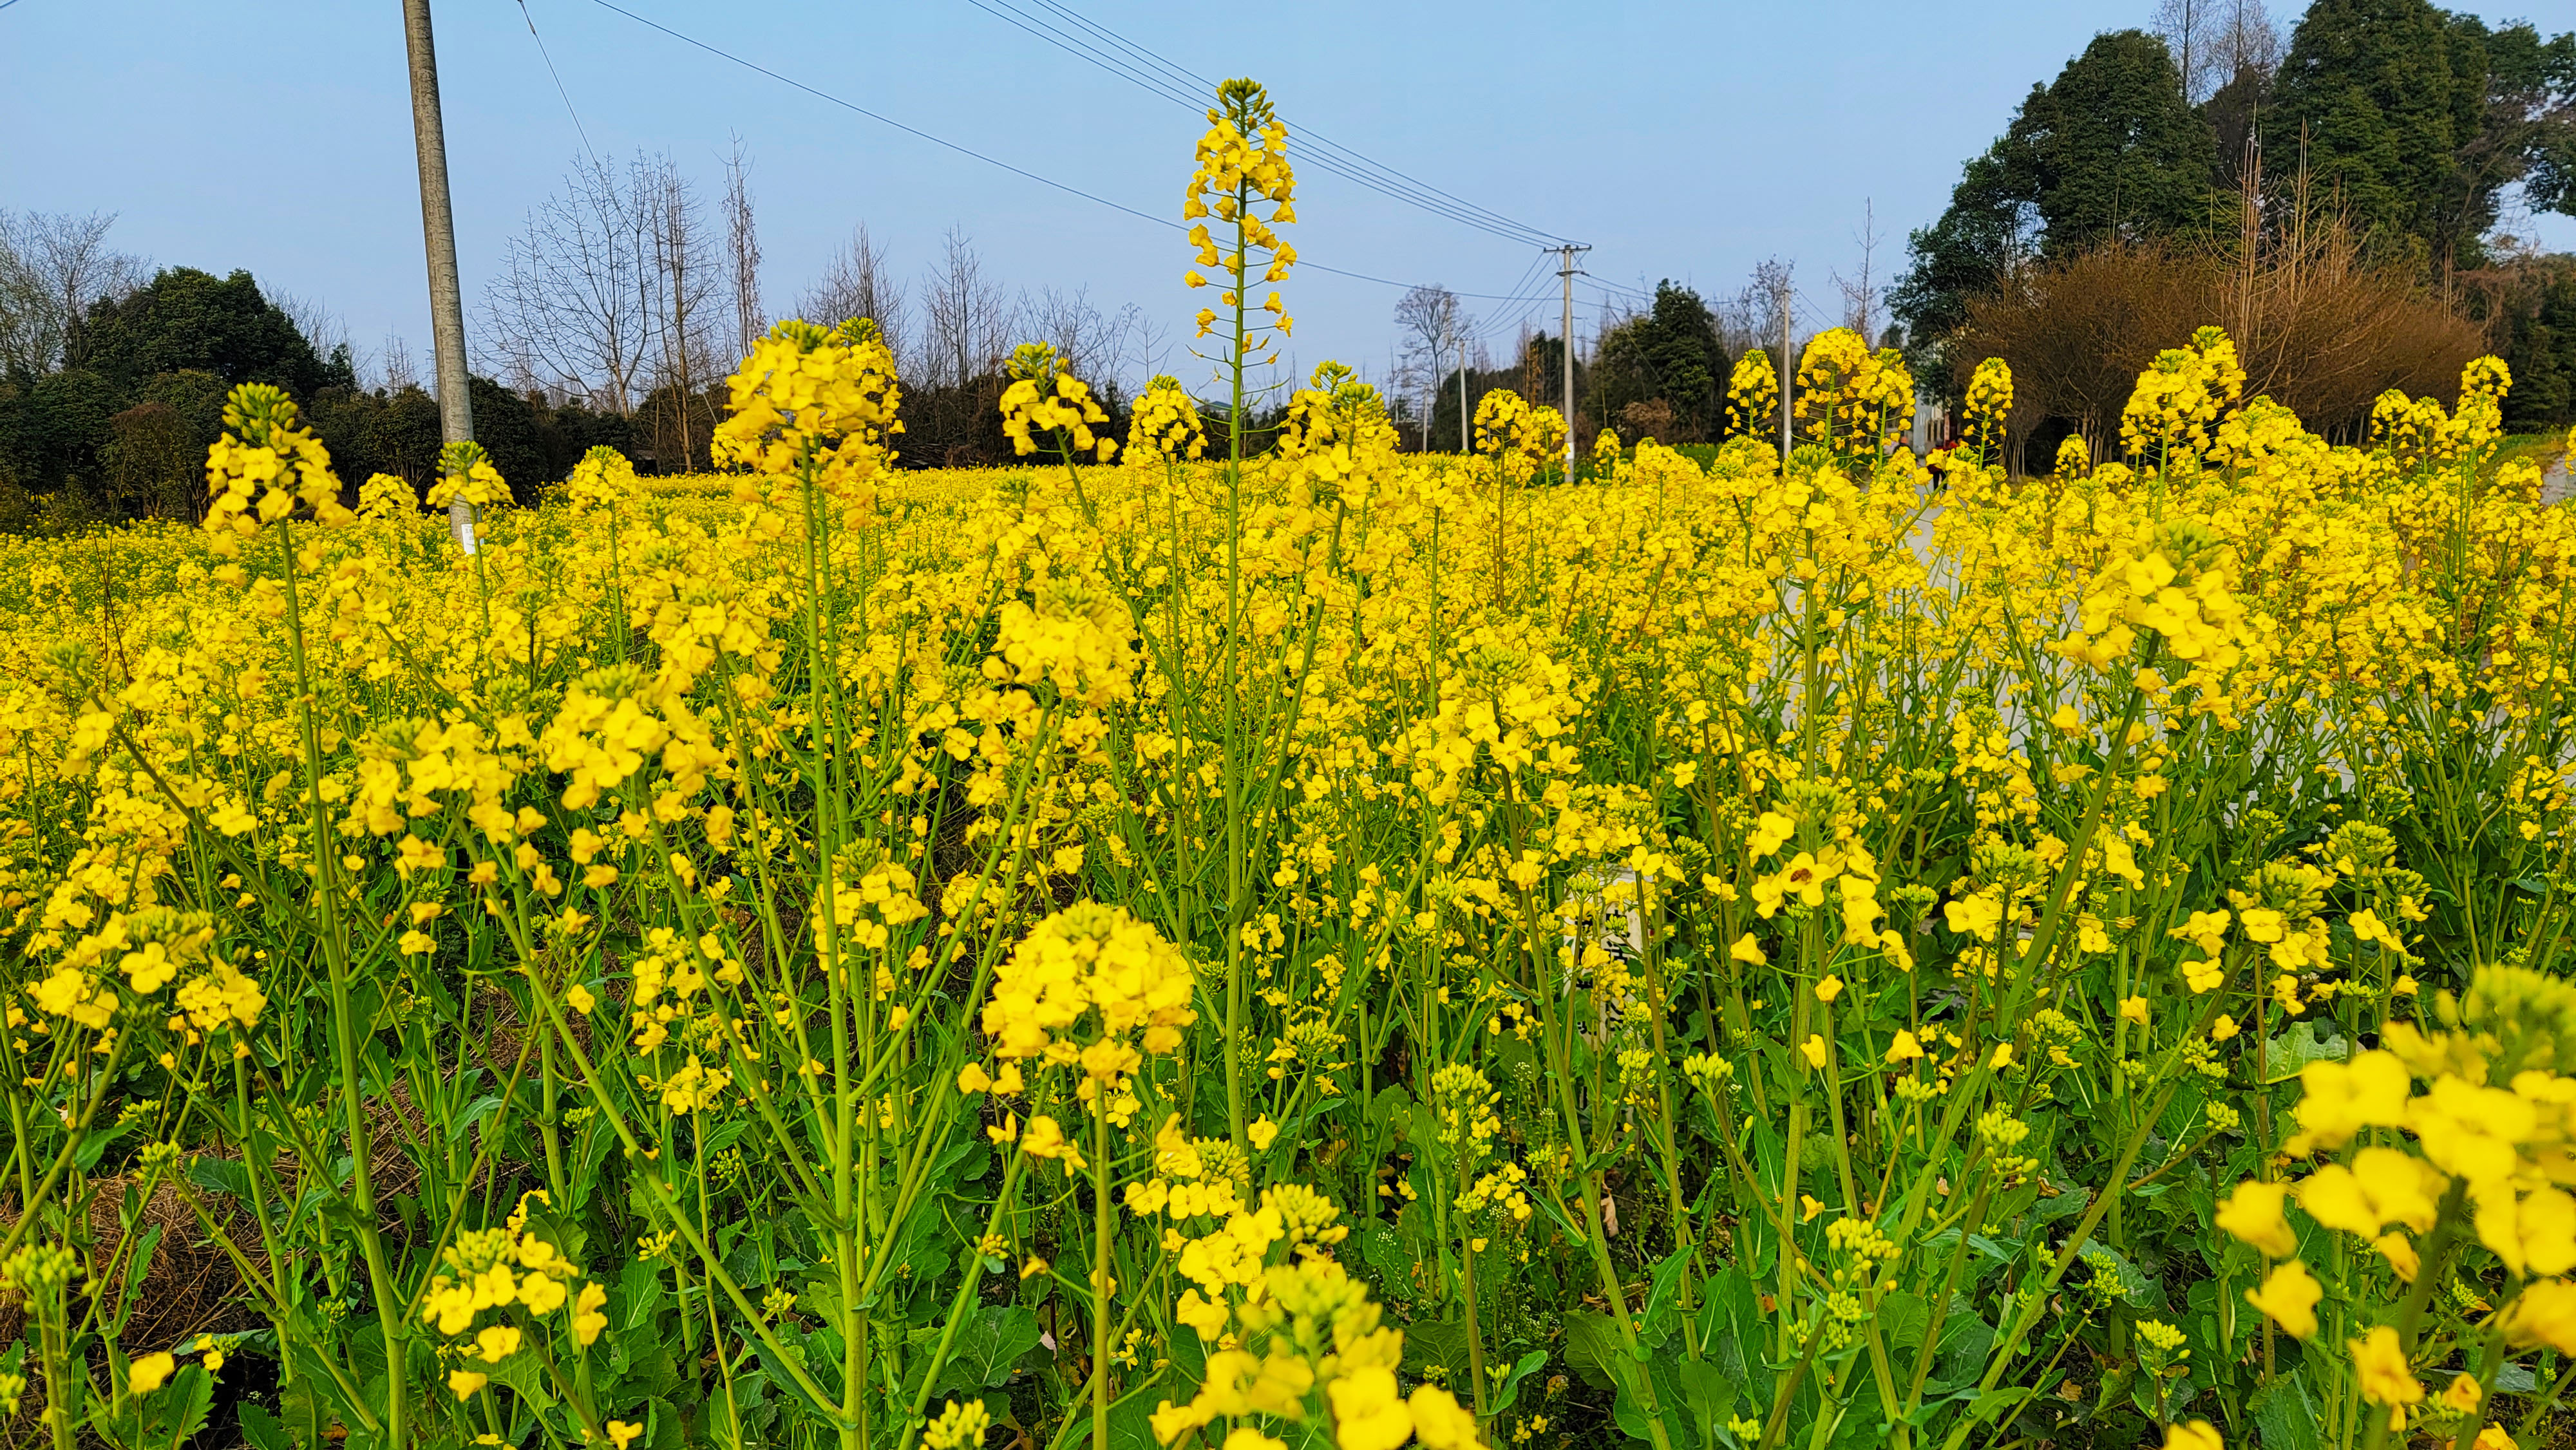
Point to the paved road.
(2555, 486)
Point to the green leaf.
(2002, 1252)
(1530, 1364)
(987, 1348)
(1392, 1108)
(2065, 1205)
(1707, 1394)
(1671, 1403)
(1383, 1251)
(1734, 1331)
(662, 1426)
(262, 1429)
(1902, 1318)
(1189, 1359)
(1598, 1352)
(2302, 1043)
(1965, 1338)
(1433, 1342)
(1656, 1325)
(2285, 1414)
(1131, 1424)
(1593, 1347)
(641, 1283)
(475, 1112)
(1995, 1401)
(166, 1417)
(219, 1175)
(525, 1374)
(1556, 1213)
(94, 1144)
(139, 1263)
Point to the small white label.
(465, 536)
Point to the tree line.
(106, 411)
(1656, 371)
(2339, 201)
(613, 316)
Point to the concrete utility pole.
(1431, 388)
(1787, 372)
(438, 233)
(1462, 394)
(1565, 336)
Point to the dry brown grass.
(2319, 327)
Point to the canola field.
(1347, 949)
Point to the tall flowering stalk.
(1242, 170)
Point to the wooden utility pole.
(438, 234)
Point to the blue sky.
(1682, 140)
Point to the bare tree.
(1860, 295)
(400, 371)
(576, 300)
(1093, 346)
(2214, 42)
(324, 330)
(969, 318)
(1152, 342)
(1431, 328)
(2249, 43)
(856, 283)
(682, 315)
(1751, 318)
(743, 241)
(2185, 27)
(52, 267)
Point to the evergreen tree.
(184, 320)
(2416, 120)
(2110, 150)
(2541, 350)
(1670, 351)
(2531, 112)
(2374, 94)
(1986, 228)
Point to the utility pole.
(1565, 336)
(1787, 373)
(438, 233)
(1462, 393)
(1431, 389)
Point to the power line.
(1385, 281)
(1187, 88)
(1493, 327)
(1203, 85)
(1520, 292)
(1610, 286)
(1196, 101)
(945, 144)
(1521, 284)
(884, 120)
(578, 128)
